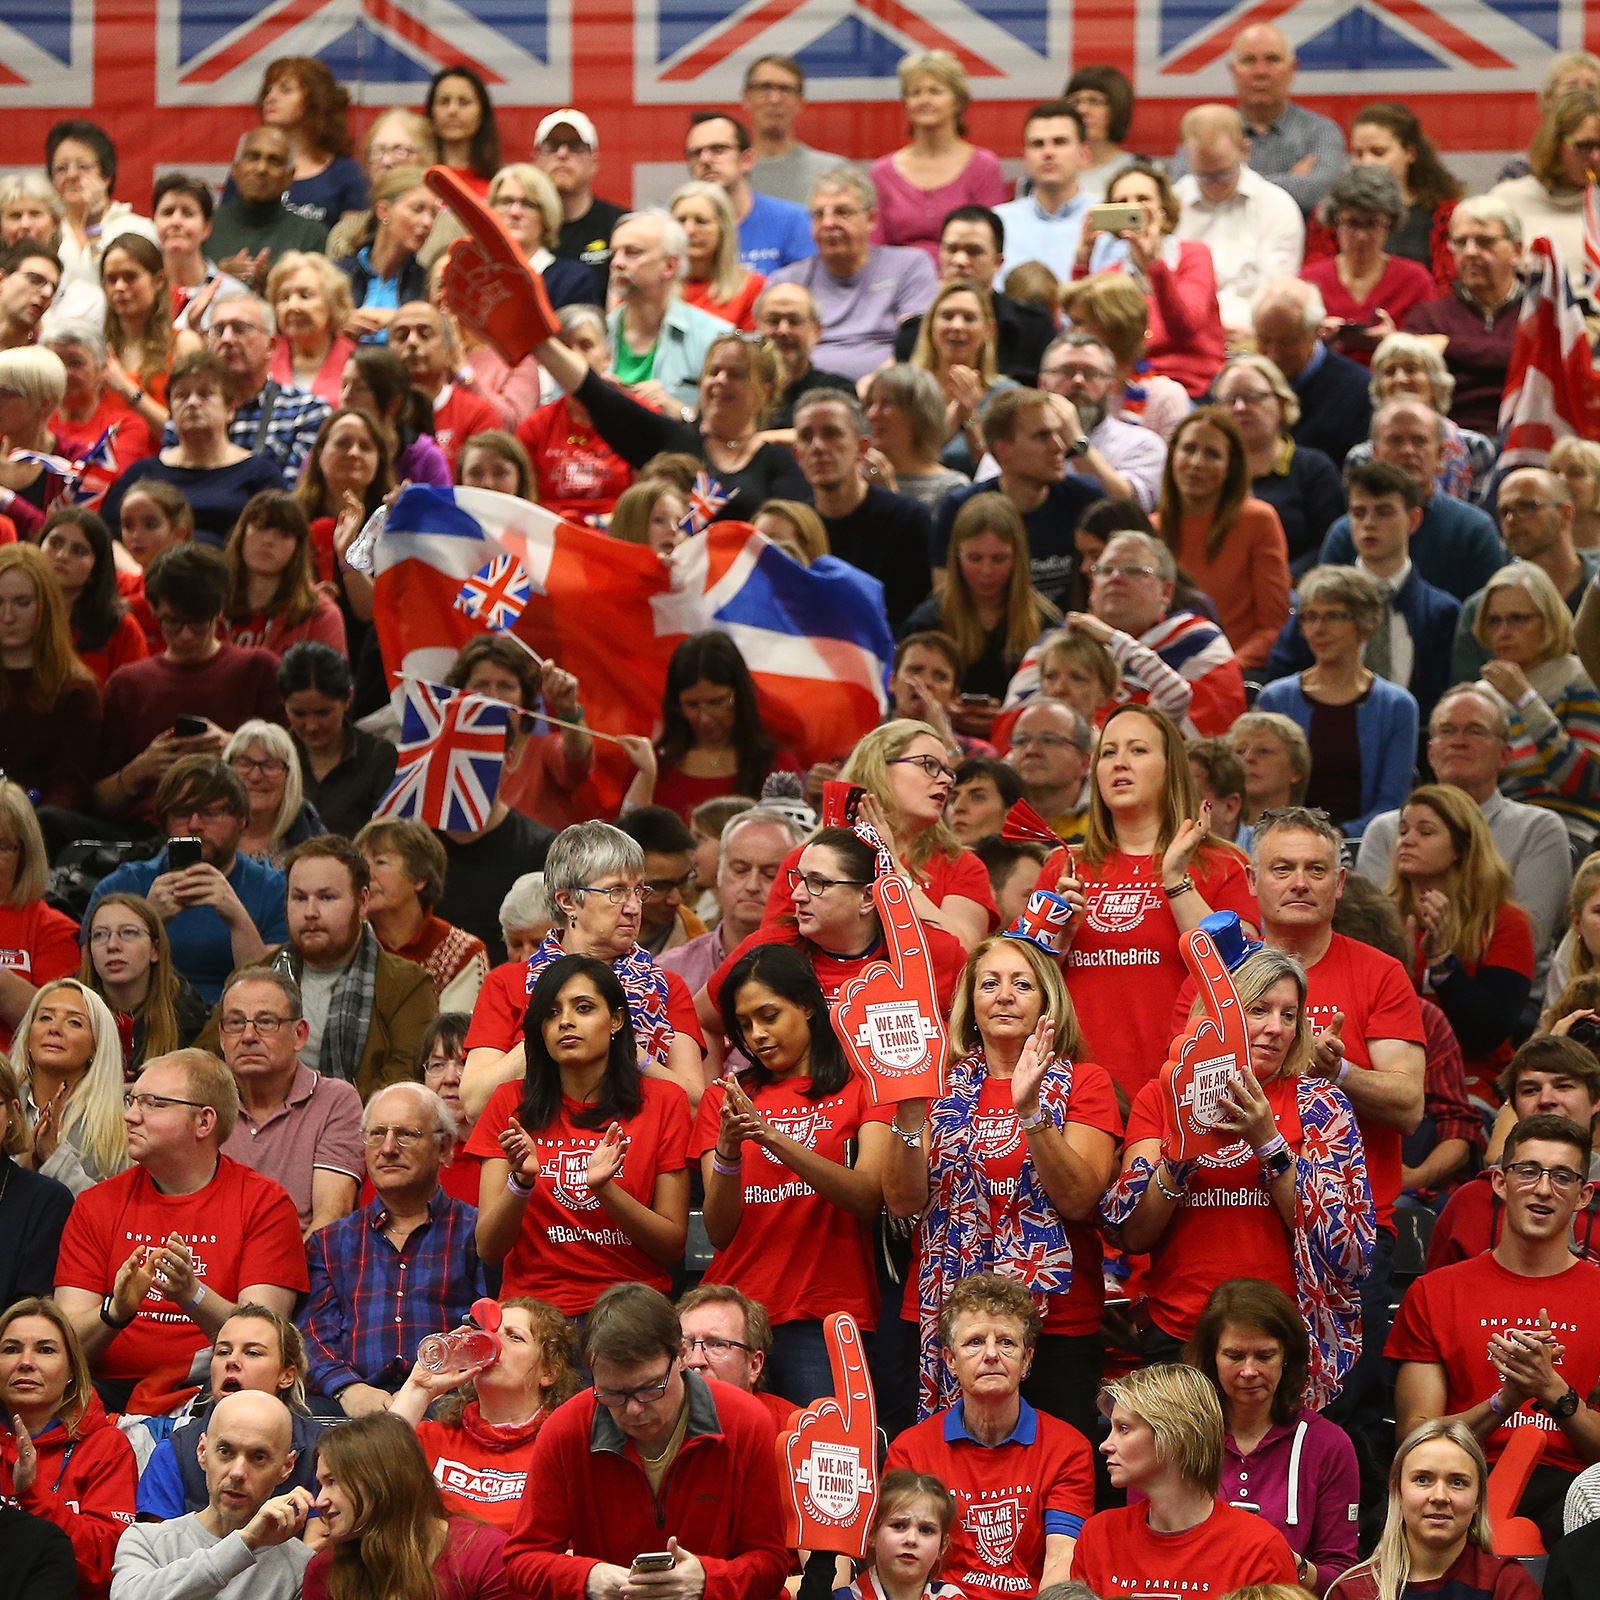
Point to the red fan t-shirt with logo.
(1120, 1558)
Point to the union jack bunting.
(452, 750)
(644, 983)
(496, 594)
(706, 499)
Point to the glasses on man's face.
(158, 1102)
(771, 86)
(554, 147)
(816, 884)
(270, 766)
(239, 327)
(931, 765)
(1045, 741)
(714, 1347)
(211, 813)
(1526, 1175)
(173, 626)
(1102, 570)
(646, 1394)
(662, 887)
(1070, 371)
(836, 213)
(405, 1138)
(129, 934)
(266, 1023)
(713, 151)
(618, 892)
(1476, 241)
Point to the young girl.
(105, 635)
(154, 515)
(651, 513)
(909, 1536)
(273, 604)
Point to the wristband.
(726, 1169)
(525, 1190)
(1271, 1147)
(199, 1297)
(1496, 1407)
(1342, 1074)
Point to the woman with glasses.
(1301, 484)
(526, 201)
(81, 162)
(1360, 727)
(399, 138)
(441, 1059)
(1276, 757)
(585, 1178)
(1549, 200)
(1523, 623)
(263, 755)
(1103, 99)
(127, 961)
(1473, 946)
(271, 558)
(68, 1059)
(802, 1249)
(714, 279)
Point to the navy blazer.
(1335, 407)
(1430, 614)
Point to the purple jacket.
(1302, 1478)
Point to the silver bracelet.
(1174, 1195)
(912, 1138)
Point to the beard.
(1091, 413)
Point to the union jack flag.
(1591, 232)
(452, 750)
(706, 499)
(85, 480)
(1043, 921)
(496, 594)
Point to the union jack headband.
(1043, 921)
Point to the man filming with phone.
(656, 1484)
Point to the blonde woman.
(905, 411)
(264, 756)
(399, 138)
(988, 604)
(651, 513)
(68, 1061)
(795, 528)
(715, 281)
(525, 200)
(1577, 463)
(1473, 947)
(1578, 954)
(1276, 758)
(1112, 307)
(956, 343)
(1436, 1538)
(1549, 200)
(923, 181)
(310, 297)
(403, 213)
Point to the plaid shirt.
(371, 1305)
(291, 429)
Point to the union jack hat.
(1227, 934)
(1043, 921)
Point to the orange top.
(1248, 579)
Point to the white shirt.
(1402, 654)
(1255, 234)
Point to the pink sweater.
(908, 215)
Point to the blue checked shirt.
(291, 429)
(371, 1305)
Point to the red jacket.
(85, 1486)
(587, 1492)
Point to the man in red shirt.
(1511, 1338)
(1023, 1480)
(417, 335)
(154, 1261)
(727, 1335)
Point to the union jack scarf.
(1022, 1239)
(1333, 1232)
(644, 983)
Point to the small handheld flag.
(496, 594)
(452, 752)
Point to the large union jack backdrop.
(173, 79)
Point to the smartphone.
(653, 1561)
(976, 700)
(183, 853)
(1114, 217)
(187, 727)
(1353, 334)
(841, 803)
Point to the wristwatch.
(1560, 1409)
(1041, 1118)
(1275, 1165)
(106, 1316)
(1078, 447)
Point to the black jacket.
(1022, 334)
(413, 279)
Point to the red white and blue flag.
(452, 751)
(496, 594)
(706, 499)
(85, 480)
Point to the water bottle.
(473, 1344)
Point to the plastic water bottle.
(459, 1350)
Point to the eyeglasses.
(170, 624)
(816, 884)
(128, 935)
(1314, 617)
(1476, 241)
(405, 1138)
(554, 147)
(239, 328)
(270, 766)
(715, 1347)
(393, 152)
(212, 813)
(435, 1067)
(931, 765)
(1249, 397)
(618, 892)
(1363, 224)
(1510, 619)
(1524, 508)
(1102, 570)
(712, 150)
(158, 1102)
(836, 213)
(616, 1399)
(1528, 1173)
(66, 167)
(1045, 741)
(1086, 374)
(267, 1024)
(665, 886)
(1473, 730)
(767, 86)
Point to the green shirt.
(630, 368)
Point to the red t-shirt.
(1127, 946)
(740, 310)
(942, 876)
(462, 414)
(996, 1149)
(1039, 1481)
(38, 943)
(127, 643)
(1447, 1317)
(800, 1256)
(502, 1003)
(1232, 1549)
(474, 1480)
(1227, 1225)
(577, 472)
(569, 1250)
(679, 792)
(130, 585)
(133, 442)
(241, 1229)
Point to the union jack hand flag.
(85, 480)
(495, 594)
(706, 499)
(452, 750)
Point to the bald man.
(244, 1544)
(1298, 150)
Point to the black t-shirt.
(1053, 557)
(783, 413)
(481, 874)
(588, 239)
(887, 536)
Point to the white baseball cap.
(575, 120)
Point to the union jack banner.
(496, 594)
(706, 499)
(452, 750)
(1591, 232)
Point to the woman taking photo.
(922, 182)
(216, 476)
(1474, 947)
(526, 201)
(281, 817)
(714, 280)
(300, 95)
(803, 1250)
(1103, 99)
(344, 770)
(310, 297)
(68, 1059)
(1149, 834)
(1297, 1469)
(988, 604)
(560, 1207)
(376, 381)
(128, 963)
(1549, 200)
(905, 411)
(1436, 1538)
(387, 1529)
(461, 115)
(1276, 757)
(1019, 1149)
(105, 636)
(1365, 289)
(49, 701)
(494, 1412)
(69, 1465)
(403, 213)
(1300, 484)
(956, 343)
(1577, 463)
(1230, 543)
(1203, 1222)
(274, 604)
(1361, 729)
